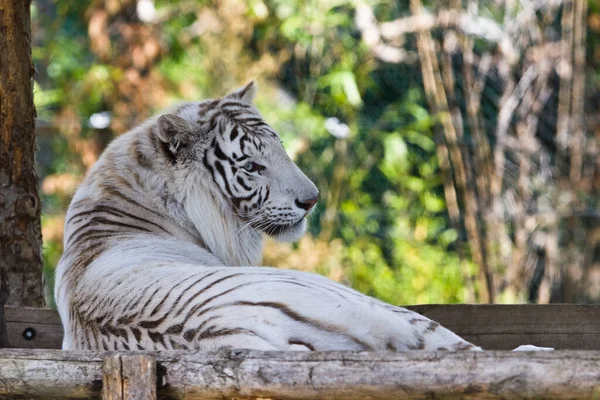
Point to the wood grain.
(504, 327)
(45, 323)
(49, 374)
(20, 205)
(493, 327)
(112, 382)
(139, 376)
(129, 376)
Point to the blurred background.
(456, 144)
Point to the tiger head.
(227, 141)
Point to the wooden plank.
(129, 376)
(493, 327)
(33, 328)
(112, 383)
(139, 376)
(33, 314)
(500, 341)
(48, 374)
(45, 336)
(504, 327)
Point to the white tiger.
(162, 237)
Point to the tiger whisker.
(248, 225)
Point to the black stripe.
(105, 221)
(137, 333)
(166, 296)
(88, 256)
(135, 299)
(234, 133)
(213, 283)
(302, 343)
(243, 141)
(221, 171)
(93, 235)
(150, 298)
(242, 183)
(187, 289)
(114, 192)
(174, 329)
(237, 201)
(192, 332)
(250, 120)
(288, 312)
(213, 120)
(232, 105)
(198, 307)
(117, 213)
(211, 334)
(157, 338)
(219, 153)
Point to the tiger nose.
(308, 203)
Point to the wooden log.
(51, 374)
(112, 383)
(129, 376)
(139, 376)
(493, 327)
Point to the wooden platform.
(493, 327)
(572, 372)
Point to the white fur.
(186, 281)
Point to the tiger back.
(163, 236)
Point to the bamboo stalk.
(436, 95)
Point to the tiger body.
(163, 237)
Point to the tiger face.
(228, 139)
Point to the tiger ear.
(245, 94)
(174, 131)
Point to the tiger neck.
(226, 235)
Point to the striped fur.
(163, 235)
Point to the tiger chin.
(164, 236)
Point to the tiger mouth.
(280, 229)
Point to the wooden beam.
(112, 381)
(504, 326)
(315, 375)
(139, 376)
(493, 327)
(33, 328)
(129, 376)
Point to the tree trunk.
(20, 226)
